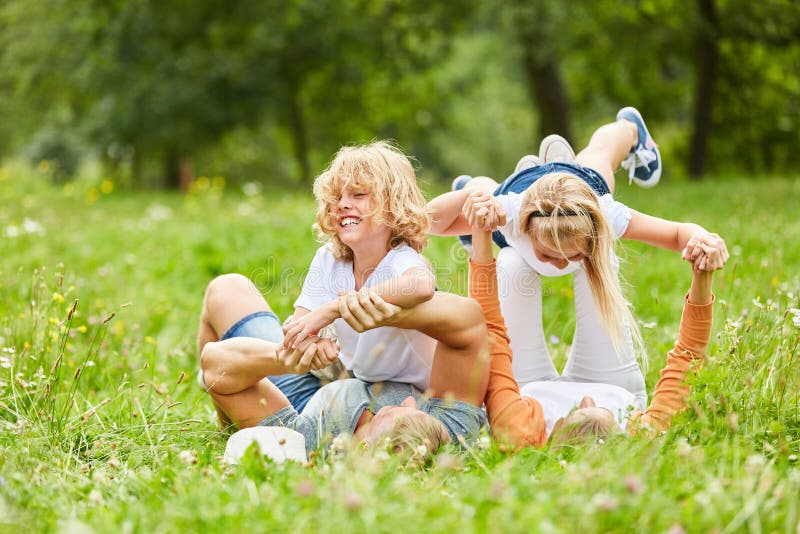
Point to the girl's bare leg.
(608, 147)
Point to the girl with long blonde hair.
(556, 215)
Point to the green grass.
(100, 432)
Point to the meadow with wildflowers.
(103, 429)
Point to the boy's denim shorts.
(265, 325)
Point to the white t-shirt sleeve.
(617, 213)
(318, 283)
(406, 258)
(511, 202)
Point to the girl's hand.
(483, 211)
(365, 309)
(308, 325)
(706, 251)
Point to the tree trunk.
(297, 126)
(178, 172)
(172, 171)
(705, 80)
(547, 91)
(541, 63)
(136, 170)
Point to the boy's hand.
(706, 251)
(308, 325)
(365, 309)
(311, 354)
(483, 211)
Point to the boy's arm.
(415, 286)
(688, 353)
(515, 421)
(706, 250)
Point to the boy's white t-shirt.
(617, 213)
(558, 398)
(380, 354)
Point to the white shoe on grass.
(277, 442)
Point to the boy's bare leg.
(228, 298)
(234, 372)
(609, 145)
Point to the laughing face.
(354, 213)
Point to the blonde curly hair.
(387, 173)
(562, 212)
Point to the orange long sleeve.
(672, 391)
(516, 421)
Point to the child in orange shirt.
(563, 411)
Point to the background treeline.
(266, 90)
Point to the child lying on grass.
(564, 411)
(372, 412)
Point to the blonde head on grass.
(577, 223)
(384, 171)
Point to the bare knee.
(224, 286)
(483, 183)
(470, 328)
(212, 364)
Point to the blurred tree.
(170, 77)
(539, 29)
(706, 72)
(757, 112)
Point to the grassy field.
(104, 430)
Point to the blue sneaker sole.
(633, 115)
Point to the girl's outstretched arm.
(706, 250)
(446, 216)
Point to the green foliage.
(103, 429)
(268, 90)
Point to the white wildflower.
(795, 316)
(188, 457)
(158, 212)
(251, 189)
(339, 443)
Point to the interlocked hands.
(483, 210)
(706, 251)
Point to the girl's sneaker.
(459, 182)
(527, 162)
(555, 148)
(644, 160)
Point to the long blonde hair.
(562, 212)
(388, 174)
